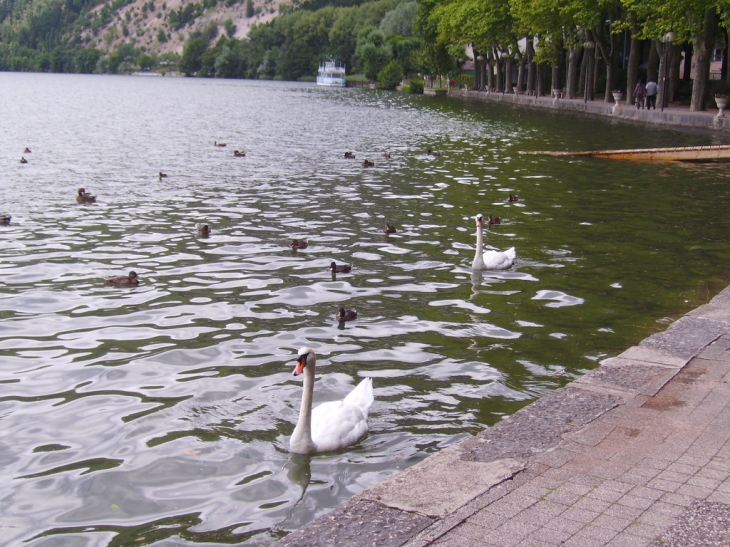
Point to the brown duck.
(346, 315)
(340, 268)
(299, 244)
(388, 228)
(84, 197)
(131, 279)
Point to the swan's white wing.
(362, 396)
(336, 425)
(498, 260)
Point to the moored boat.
(331, 74)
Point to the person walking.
(651, 91)
(640, 95)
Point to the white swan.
(491, 260)
(333, 425)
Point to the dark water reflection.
(160, 414)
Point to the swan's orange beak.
(301, 363)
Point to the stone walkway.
(635, 453)
(674, 115)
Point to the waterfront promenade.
(634, 453)
(674, 115)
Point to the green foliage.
(249, 9)
(391, 76)
(372, 52)
(161, 36)
(415, 85)
(400, 20)
(85, 60)
(230, 27)
(193, 50)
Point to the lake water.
(160, 415)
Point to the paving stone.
(359, 524)
(686, 337)
(629, 375)
(538, 427)
(549, 536)
(628, 540)
(704, 524)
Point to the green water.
(160, 415)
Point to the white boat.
(331, 74)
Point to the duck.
(368, 163)
(433, 153)
(162, 175)
(27, 150)
(388, 228)
(299, 244)
(131, 279)
(203, 229)
(512, 198)
(342, 268)
(346, 315)
(219, 144)
(491, 260)
(386, 155)
(5, 220)
(493, 221)
(23, 160)
(349, 156)
(333, 425)
(84, 197)
(239, 154)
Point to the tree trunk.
(572, 83)
(703, 43)
(490, 72)
(676, 61)
(508, 75)
(652, 68)
(531, 69)
(632, 71)
(583, 71)
(500, 78)
(555, 76)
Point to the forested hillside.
(211, 38)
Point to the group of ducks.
(236, 153)
(367, 163)
(22, 158)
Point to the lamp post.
(461, 66)
(480, 58)
(588, 46)
(666, 40)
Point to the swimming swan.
(333, 425)
(491, 260)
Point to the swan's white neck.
(301, 440)
(479, 254)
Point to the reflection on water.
(161, 413)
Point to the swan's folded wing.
(362, 396)
(336, 425)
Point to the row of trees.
(579, 43)
(368, 38)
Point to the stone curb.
(703, 121)
(424, 502)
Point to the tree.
(391, 76)
(372, 52)
(400, 20)
(249, 9)
(230, 27)
(193, 50)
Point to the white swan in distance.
(491, 260)
(333, 425)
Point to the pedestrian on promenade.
(640, 95)
(651, 91)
